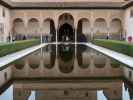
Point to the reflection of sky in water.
(32, 96)
(100, 95)
(125, 94)
(8, 94)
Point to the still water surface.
(29, 91)
(86, 83)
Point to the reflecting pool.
(68, 72)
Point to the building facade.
(92, 19)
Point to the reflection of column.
(56, 36)
(75, 42)
(108, 67)
(92, 36)
(56, 44)
(75, 35)
(76, 50)
(41, 51)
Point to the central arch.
(66, 31)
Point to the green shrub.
(119, 46)
(16, 46)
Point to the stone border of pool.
(127, 60)
(8, 59)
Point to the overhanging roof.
(66, 5)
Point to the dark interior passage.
(66, 33)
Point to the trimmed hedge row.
(16, 46)
(119, 46)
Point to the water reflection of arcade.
(66, 59)
(112, 90)
(66, 54)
